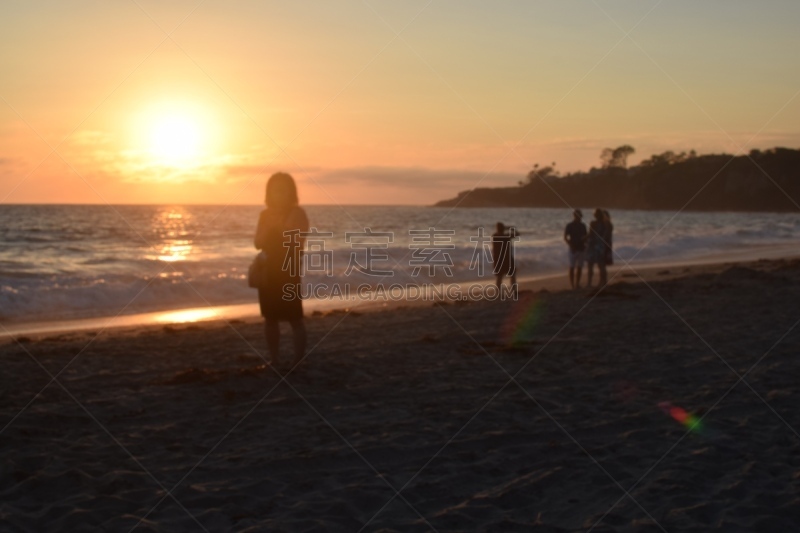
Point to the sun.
(174, 135)
(176, 139)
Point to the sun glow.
(175, 138)
(175, 135)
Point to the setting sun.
(175, 139)
(173, 134)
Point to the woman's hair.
(598, 214)
(281, 191)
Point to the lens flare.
(522, 321)
(687, 419)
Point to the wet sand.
(618, 410)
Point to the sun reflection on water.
(175, 251)
(171, 227)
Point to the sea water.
(60, 262)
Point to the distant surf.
(77, 262)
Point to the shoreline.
(249, 312)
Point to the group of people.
(284, 214)
(593, 247)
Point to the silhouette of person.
(596, 247)
(278, 235)
(575, 237)
(503, 255)
(608, 238)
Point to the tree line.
(767, 180)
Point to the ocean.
(63, 262)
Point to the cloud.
(377, 184)
(418, 178)
(248, 171)
(90, 138)
(10, 165)
(363, 181)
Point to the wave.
(78, 262)
(38, 297)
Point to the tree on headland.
(616, 157)
(668, 158)
(542, 173)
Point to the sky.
(375, 102)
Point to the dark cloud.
(244, 172)
(403, 180)
(417, 178)
(378, 185)
(10, 166)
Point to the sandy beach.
(660, 405)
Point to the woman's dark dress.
(280, 299)
(595, 243)
(609, 252)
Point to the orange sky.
(374, 102)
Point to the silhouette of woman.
(503, 255)
(596, 247)
(278, 235)
(609, 237)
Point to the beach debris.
(254, 370)
(471, 350)
(57, 338)
(248, 357)
(740, 273)
(195, 375)
(614, 291)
